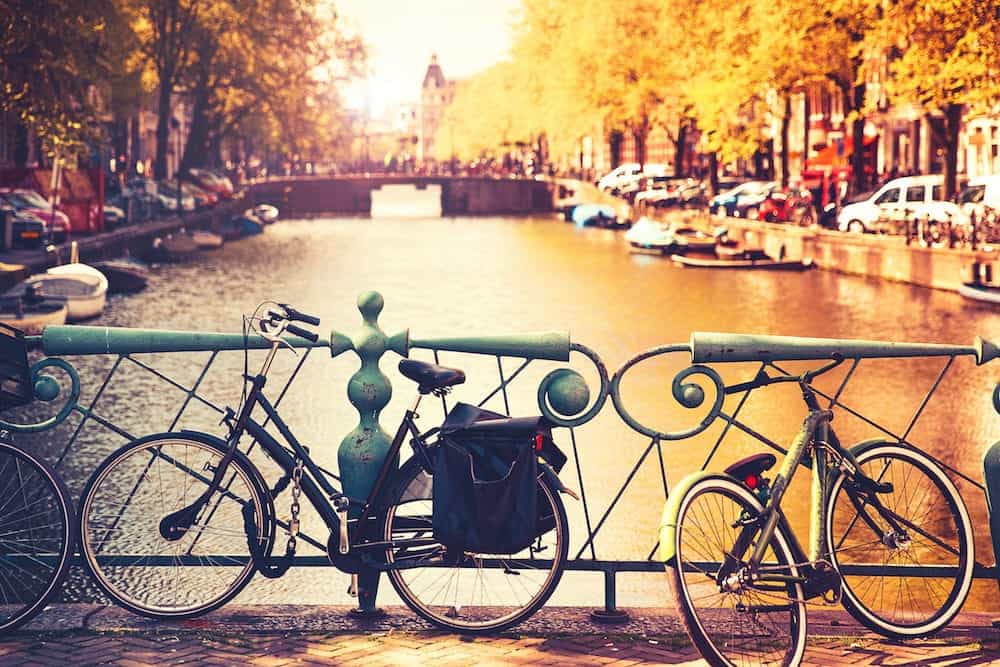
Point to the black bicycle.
(174, 525)
(37, 527)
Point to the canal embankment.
(134, 239)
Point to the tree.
(51, 53)
(942, 62)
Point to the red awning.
(837, 154)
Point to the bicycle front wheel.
(474, 592)
(907, 565)
(732, 619)
(134, 489)
(37, 534)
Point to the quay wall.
(871, 255)
(303, 196)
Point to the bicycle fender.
(668, 522)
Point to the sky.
(467, 36)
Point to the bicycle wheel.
(759, 622)
(918, 576)
(134, 489)
(37, 534)
(475, 593)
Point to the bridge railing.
(131, 375)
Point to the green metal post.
(363, 450)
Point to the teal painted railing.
(562, 395)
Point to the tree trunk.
(952, 124)
(785, 121)
(806, 112)
(163, 127)
(713, 172)
(859, 180)
(196, 149)
(680, 147)
(639, 135)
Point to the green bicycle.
(890, 539)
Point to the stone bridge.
(460, 195)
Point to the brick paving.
(230, 638)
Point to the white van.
(912, 196)
(629, 173)
(980, 193)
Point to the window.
(937, 193)
(890, 196)
(915, 193)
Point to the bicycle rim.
(920, 579)
(481, 592)
(120, 516)
(757, 624)
(36, 536)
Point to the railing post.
(611, 613)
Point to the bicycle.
(890, 539)
(37, 525)
(167, 534)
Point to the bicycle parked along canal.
(174, 525)
(890, 538)
(37, 524)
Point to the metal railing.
(563, 396)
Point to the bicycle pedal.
(352, 590)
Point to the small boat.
(249, 224)
(690, 241)
(648, 234)
(980, 292)
(77, 268)
(32, 312)
(85, 295)
(174, 248)
(766, 264)
(266, 213)
(599, 215)
(124, 277)
(229, 229)
(733, 251)
(207, 240)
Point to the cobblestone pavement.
(87, 635)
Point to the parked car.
(113, 216)
(28, 231)
(909, 197)
(216, 183)
(725, 203)
(792, 204)
(30, 202)
(664, 194)
(628, 175)
(653, 185)
(979, 194)
(168, 197)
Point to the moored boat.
(207, 240)
(266, 213)
(980, 292)
(765, 264)
(249, 224)
(31, 314)
(173, 248)
(124, 277)
(85, 295)
(599, 215)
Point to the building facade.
(436, 94)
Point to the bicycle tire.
(936, 605)
(725, 626)
(123, 550)
(35, 506)
(413, 493)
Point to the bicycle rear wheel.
(751, 622)
(473, 593)
(911, 582)
(134, 489)
(37, 534)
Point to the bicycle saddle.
(755, 464)
(430, 376)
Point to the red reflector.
(752, 481)
(539, 440)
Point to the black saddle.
(430, 376)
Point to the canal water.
(477, 276)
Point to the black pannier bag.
(486, 498)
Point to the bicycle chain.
(293, 522)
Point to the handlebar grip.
(302, 333)
(296, 316)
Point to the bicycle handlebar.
(296, 316)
